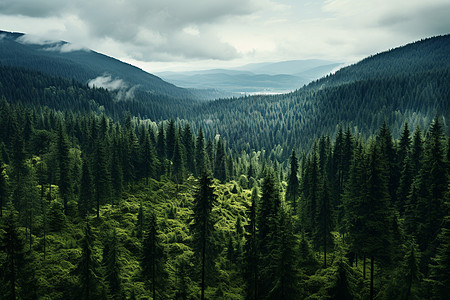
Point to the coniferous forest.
(108, 199)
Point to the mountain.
(65, 60)
(259, 78)
(409, 83)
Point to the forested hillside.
(97, 209)
(59, 58)
(335, 191)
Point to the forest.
(97, 208)
(294, 196)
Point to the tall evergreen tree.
(17, 276)
(153, 259)
(178, 165)
(188, 142)
(285, 277)
(322, 233)
(203, 227)
(148, 158)
(85, 203)
(170, 138)
(292, 190)
(267, 224)
(112, 266)
(87, 268)
(200, 154)
(251, 250)
(3, 187)
(220, 168)
(63, 158)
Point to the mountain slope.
(410, 83)
(64, 60)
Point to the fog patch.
(66, 48)
(122, 90)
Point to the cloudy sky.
(159, 35)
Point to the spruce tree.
(267, 224)
(188, 143)
(292, 190)
(251, 250)
(200, 154)
(87, 268)
(285, 278)
(148, 158)
(3, 187)
(220, 168)
(170, 138)
(85, 203)
(203, 227)
(178, 165)
(112, 266)
(63, 158)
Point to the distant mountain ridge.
(268, 77)
(62, 59)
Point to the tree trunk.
(371, 278)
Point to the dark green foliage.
(178, 163)
(62, 156)
(200, 154)
(220, 167)
(251, 252)
(153, 260)
(86, 201)
(3, 187)
(268, 225)
(439, 268)
(285, 278)
(17, 275)
(203, 228)
(292, 191)
(112, 266)
(87, 269)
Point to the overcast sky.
(159, 35)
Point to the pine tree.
(87, 268)
(267, 224)
(310, 188)
(322, 233)
(170, 139)
(285, 277)
(292, 190)
(188, 143)
(153, 259)
(251, 250)
(203, 227)
(112, 266)
(3, 187)
(148, 158)
(178, 165)
(63, 158)
(200, 154)
(220, 167)
(439, 268)
(85, 203)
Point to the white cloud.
(196, 33)
(107, 82)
